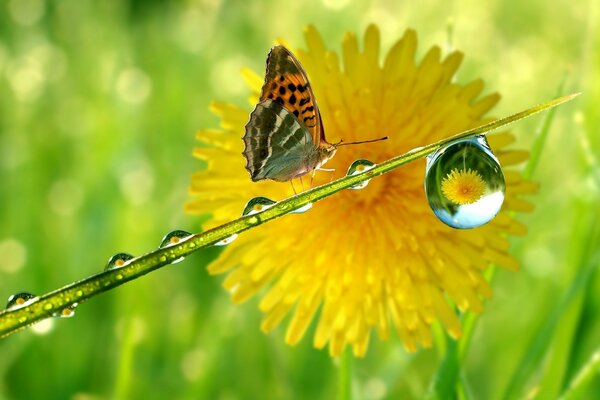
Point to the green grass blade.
(75, 293)
(542, 135)
(578, 388)
(559, 352)
(444, 382)
(570, 304)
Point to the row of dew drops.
(464, 186)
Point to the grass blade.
(578, 388)
(570, 304)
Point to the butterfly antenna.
(342, 143)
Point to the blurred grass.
(99, 105)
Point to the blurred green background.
(99, 103)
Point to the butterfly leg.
(293, 188)
(332, 170)
(301, 184)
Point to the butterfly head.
(327, 151)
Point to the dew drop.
(227, 240)
(118, 260)
(257, 205)
(253, 220)
(19, 300)
(174, 237)
(358, 167)
(66, 312)
(464, 183)
(302, 209)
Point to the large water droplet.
(174, 237)
(66, 312)
(357, 167)
(227, 240)
(464, 183)
(19, 300)
(257, 205)
(118, 260)
(302, 209)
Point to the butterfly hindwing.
(277, 145)
(287, 83)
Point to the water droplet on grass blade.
(257, 205)
(19, 300)
(66, 312)
(174, 237)
(227, 240)
(118, 260)
(302, 209)
(464, 183)
(357, 167)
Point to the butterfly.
(284, 137)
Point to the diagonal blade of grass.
(444, 382)
(542, 134)
(584, 228)
(579, 386)
(48, 304)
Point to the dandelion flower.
(376, 260)
(463, 187)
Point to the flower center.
(463, 186)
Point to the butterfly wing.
(287, 83)
(277, 145)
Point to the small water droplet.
(66, 312)
(253, 220)
(257, 205)
(19, 300)
(464, 183)
(227, 240)
(357, 167)
(118, 260)
(174, 237)
(302, 209)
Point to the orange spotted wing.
(287, 84)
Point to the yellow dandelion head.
(365, 261)
(463, 186)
